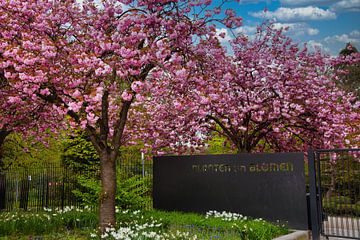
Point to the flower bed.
(136, 225)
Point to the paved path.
(343, 226)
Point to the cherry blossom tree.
(27, 116)
(90, 62)
(350, 79)
(269, 94)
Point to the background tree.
(80, 155)
(349, 77)
(20, 152)
(348, 50)
(92, 62)
(270, 95)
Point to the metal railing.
(52, 186)
(338, 180)
(37, 188)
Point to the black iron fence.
(53, 186)
(140, 167)
(337, 182)
(142, 171)
(37, 188)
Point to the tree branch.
(226, 131)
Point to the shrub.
(340, 205)
(132, 193)
(342, 209)
(133, 190)
(336, 200)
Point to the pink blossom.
(126, 96)
(74, 106)
(182, 73)
(45, 91)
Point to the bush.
(88, 191)
(336, 200)
(340, 205)
(80, 155)
(132, 193)
(342, 209)
(133, 190)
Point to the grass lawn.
(80, 224)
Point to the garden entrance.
(334, 177)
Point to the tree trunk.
(242, 150)
(107, 216)
(3, 134)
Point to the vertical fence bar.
(62, 188)
(313, 197)
(318, 167)
(38, 187)
(342, 182)
(2, 191)
(143, 164)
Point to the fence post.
(2, 191)
(47, 190)
(24, 191)
(17, 188)
(63, 188)
(143, 164)
(314, 211)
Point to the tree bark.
(3, 134)
(242, 150)
(107, 216)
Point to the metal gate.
(334, 177)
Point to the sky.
(328, 24)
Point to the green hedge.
(335, 200)
(341, 209)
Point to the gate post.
(314, 211)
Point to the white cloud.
(297, 29)
(223, 35)
(312, 31)
(99, 4)
(256, 1)
(290, 26)
(313, 45)
(306, 2)
(296, 14)
(344, 38)
(355, 33)
(247, 30)
(333, 44)
(346, 6)
(338, 42)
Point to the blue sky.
(328, 24)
